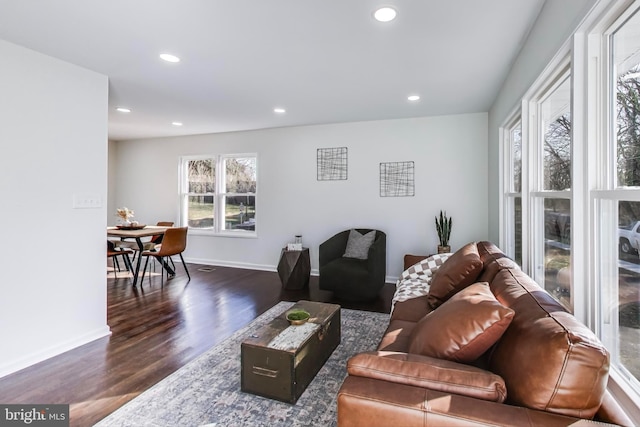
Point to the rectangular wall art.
(397, 179)
(332, 164)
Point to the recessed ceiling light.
(123, 109)
(413, 97)
(279, 110)
(176, 123)
(169, 58)
(385, 14)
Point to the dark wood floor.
(155, 331)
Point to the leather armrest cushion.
(428, 372)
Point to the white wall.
(53, 140)
(450, 154)
(557, 21)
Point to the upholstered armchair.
(353, 279)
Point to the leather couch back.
(547, 358)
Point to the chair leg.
(113, 263)
(116, 263)
(127, 262)
(185, 266)
(162, 272)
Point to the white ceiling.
(325, 61)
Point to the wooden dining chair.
(174, 242)
(114, 253)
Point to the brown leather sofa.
(545, 369)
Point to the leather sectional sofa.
(485, 346)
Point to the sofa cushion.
(462, 328)
(358, 244)
(397, 335)
(428, 372)
(561, 366)
(458, 272)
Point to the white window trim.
(507, 196)
(217, 229)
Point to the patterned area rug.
(206, 391)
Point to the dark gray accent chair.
(353, 279)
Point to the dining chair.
(114, 253)
(174, 242)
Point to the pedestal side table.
(294, 269)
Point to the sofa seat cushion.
(548, 359)
(428, 372)
(458, 272)
(462, 328)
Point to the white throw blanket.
(416, 280)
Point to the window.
(551, 187)
(577, 189)
(218, 193)
(618, 200)
(513, 198)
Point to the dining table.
(137, 233)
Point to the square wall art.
(397, 179)
(332, 164)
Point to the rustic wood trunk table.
(280, 360)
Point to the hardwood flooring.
(155, 331)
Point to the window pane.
(240, 175)
(557, 238)
(517, 223)
(200, 212)
(556, 127)
(516, 155)
(626, 54)
(201, 176)
(240, 213)
(628, 308)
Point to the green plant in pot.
(443, 227)
(298, 316)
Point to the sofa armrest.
(428, 372)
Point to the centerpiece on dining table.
(126, 215)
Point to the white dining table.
(137, 234)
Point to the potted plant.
(298, 316)
(443, 227)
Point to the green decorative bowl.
(298, 317)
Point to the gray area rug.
(206, 391)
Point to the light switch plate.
(87, 201)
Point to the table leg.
(135, 273)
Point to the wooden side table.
(294, 269)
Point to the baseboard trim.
(42, 355)
(262, 267)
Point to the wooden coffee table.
(279, 360)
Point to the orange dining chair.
(114, 253)
(174, 242)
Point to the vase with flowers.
(125, 214)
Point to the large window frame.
(512, 156)
(594, 196)
(224, 193)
